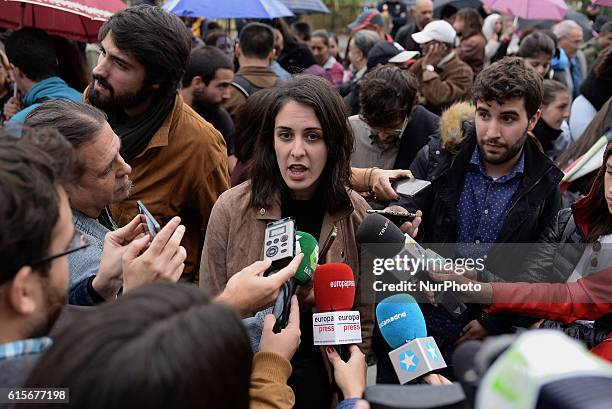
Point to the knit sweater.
(269, 377)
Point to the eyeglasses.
(396, 133)
(78, 243)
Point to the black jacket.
(444, 161)
(349, 91)
(404, 37)
(420, 127)
(533, 207)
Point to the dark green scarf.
(136, 133)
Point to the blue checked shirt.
(483, 206)
(23, 347)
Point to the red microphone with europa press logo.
(334, 290)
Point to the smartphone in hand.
(410, 186)
(153, 226)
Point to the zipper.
(530, 189)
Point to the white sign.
(416, 358)
(336, 328)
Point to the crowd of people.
(219, 136)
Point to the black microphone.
(384, 239)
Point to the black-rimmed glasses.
(79, 242)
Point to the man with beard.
(178, 160)
(36, 235)
(206, 87)
(491, 184)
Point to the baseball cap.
(438, 30)
(385, 52)
(370, 17)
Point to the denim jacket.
(84, 264)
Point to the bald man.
(422, 13)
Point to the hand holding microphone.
(306, 244)
(350, 376)
(249, 291)
(287, 341)
(402, 325)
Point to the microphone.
(334, 290)
(402, 325)
(307, 244)
(383, 238)
(545, 369)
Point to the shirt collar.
(519, 167)
(329, 63)
(360, 73)
(24, 347)
(446, 59)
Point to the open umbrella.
(530, 9)
(582, 20)
(459, 4)
(77, 20)
(306, 6)
(265, 9)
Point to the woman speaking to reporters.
(301, 169)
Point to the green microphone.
(307, 244)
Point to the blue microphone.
(402, 325)
(400, 320)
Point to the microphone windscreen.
(307, 244)
(464, 366)
(377, 230)
(400, 320)
(582, 392)
(334, 287)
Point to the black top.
(421, 125)
(309, 377)
(222, 121)
(308, 214)
(296, 59)
(404, 37)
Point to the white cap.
(438, 30)
(404, 56)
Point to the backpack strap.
(244, 86)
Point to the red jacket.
(588, 298)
